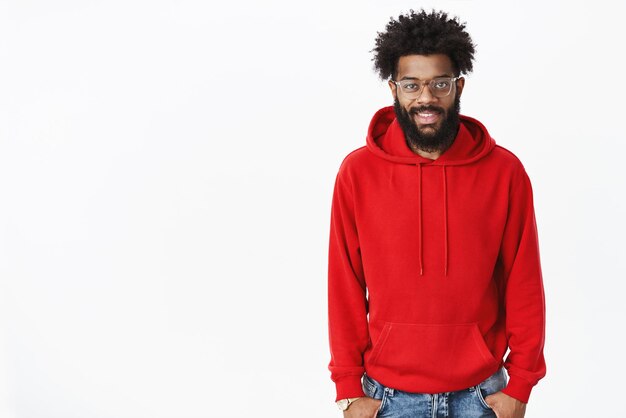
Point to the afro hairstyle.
(422, 34)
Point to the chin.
(428, 130)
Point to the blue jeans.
(466, 403)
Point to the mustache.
(415, 110)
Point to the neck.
(431, 155)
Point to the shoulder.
(354, 160)
(511, 167)
(506, 160)
(506, 156)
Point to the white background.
(166, 170)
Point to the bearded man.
(434, 269)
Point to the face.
(429, 122)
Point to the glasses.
(439, 87)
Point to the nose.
(425, 96)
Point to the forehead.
(424, 66)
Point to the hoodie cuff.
(349, 387)
(518, 388)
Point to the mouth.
(427, 117)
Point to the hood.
(386, 140)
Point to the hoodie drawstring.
(419, 187)
(445, 219)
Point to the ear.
(460, 83)
(393, 89)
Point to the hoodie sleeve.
(347, 303)
(522, 285)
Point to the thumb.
(380, 401)
(490, 400)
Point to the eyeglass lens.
(439, 87)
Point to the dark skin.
(423, 68)
(426, 67)
(365, 407)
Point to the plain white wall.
(166, 170)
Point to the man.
(434, 267)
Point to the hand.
(506, 406)
(364, 407)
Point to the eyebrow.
(416, 78)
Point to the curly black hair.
(423, 34)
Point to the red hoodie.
(434, 266)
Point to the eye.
(410, 86)
(441, 84)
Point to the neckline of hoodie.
(386, 116)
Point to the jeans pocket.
(491, 385)
(375, 390)
(369, 387)
(383, 403)
(480, 393)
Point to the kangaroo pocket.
(432, 355)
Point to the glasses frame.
(423, 83)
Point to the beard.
(437, 141)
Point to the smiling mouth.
(427, 117)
